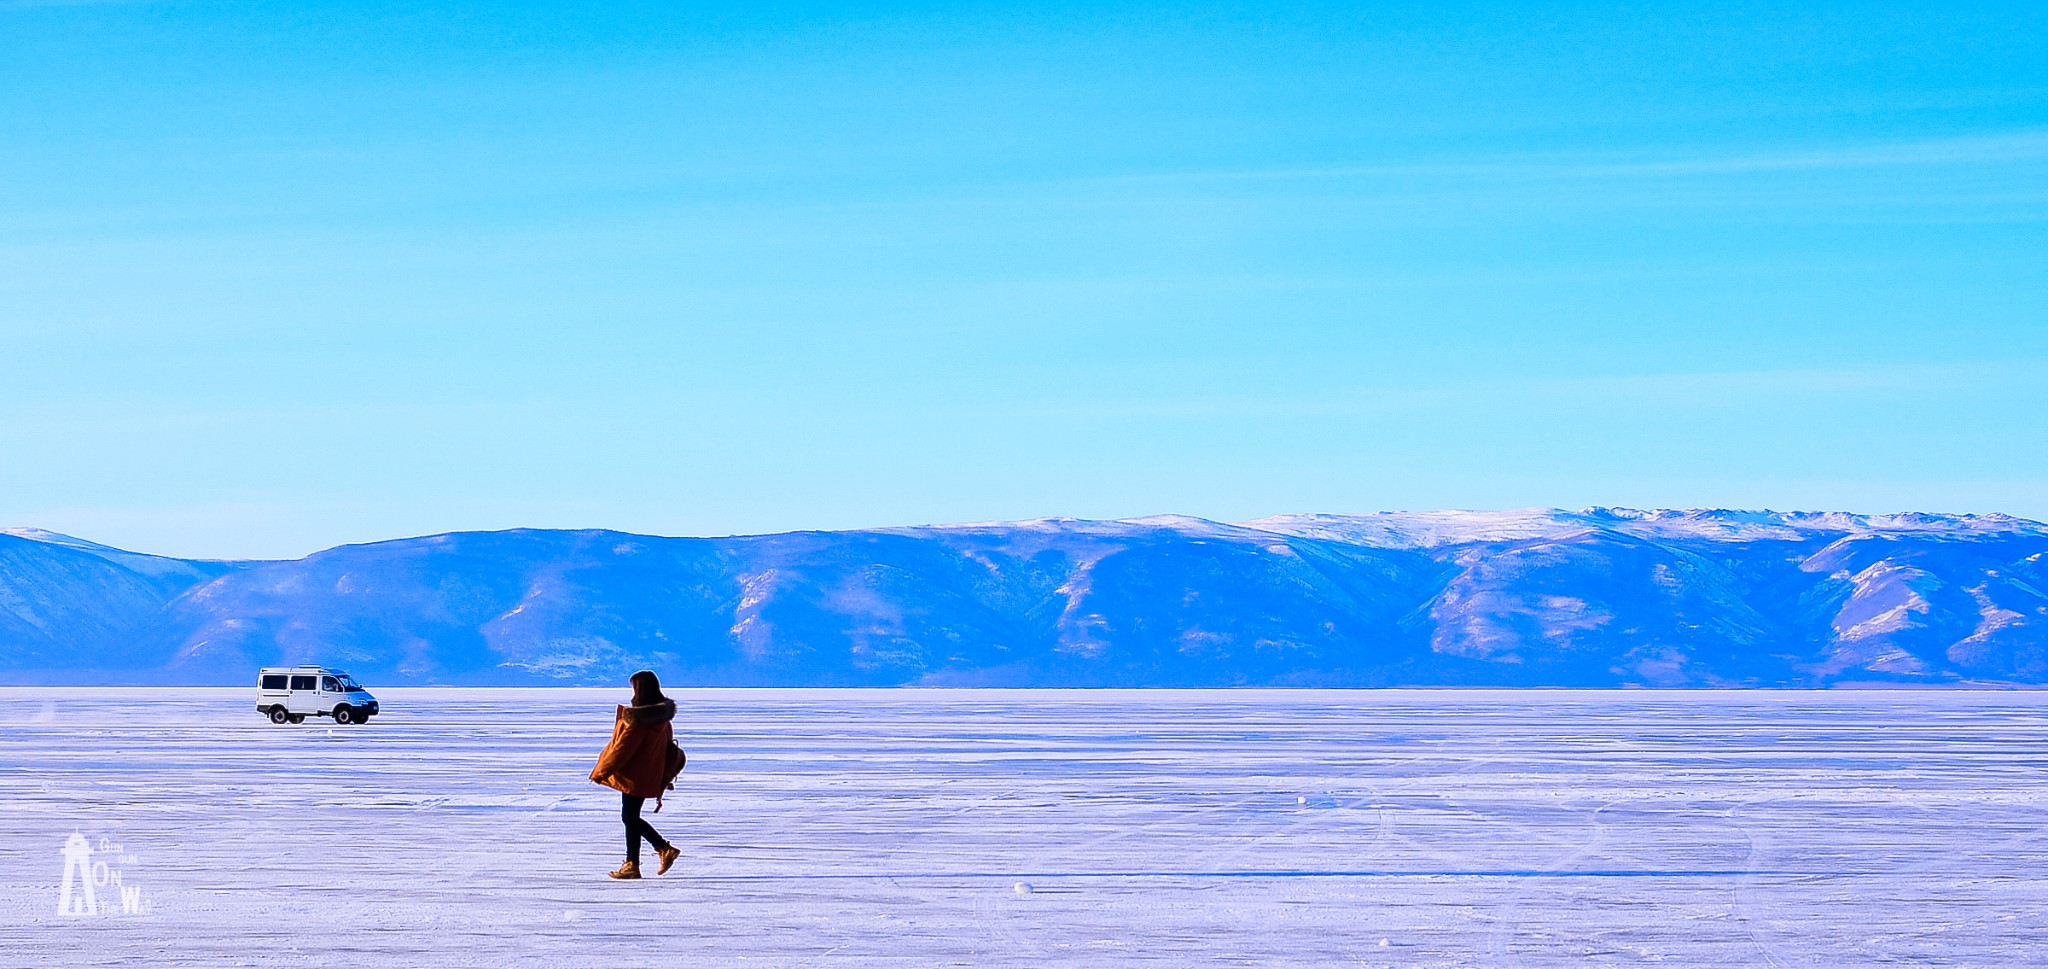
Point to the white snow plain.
(1034, 828)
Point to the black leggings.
(637, 827)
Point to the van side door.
(305, 697)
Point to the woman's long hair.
(646, 689)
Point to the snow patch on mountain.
(1438, 529)
(1429, 529)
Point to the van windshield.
(349, 684)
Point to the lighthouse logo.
(87, 879)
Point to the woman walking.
(635, 763)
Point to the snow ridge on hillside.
(1435, 529)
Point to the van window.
(302, 682)
(274, 681)
(328, 685)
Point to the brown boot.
(630, 869)
(668, 857)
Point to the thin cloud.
(2019, 147)
(2025, 146)
(1696, 389)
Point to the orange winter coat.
(636, 761)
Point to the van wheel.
(344, 715)
(277, 715)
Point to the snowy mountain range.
(1600, 597)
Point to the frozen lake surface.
(1169, 828)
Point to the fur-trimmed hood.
(651, 714)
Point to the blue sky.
(279, 276)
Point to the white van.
(290, 694)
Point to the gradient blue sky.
(279, 276)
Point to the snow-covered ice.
(998, 828)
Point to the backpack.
(672, 765)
